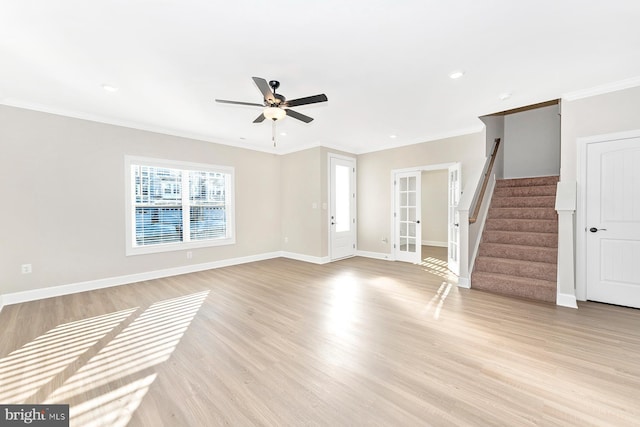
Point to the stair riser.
(522, 288)
(542, 190)
(524, 253)
(518, 268)
(538, 226)
(527, 182)
(524, 202)
(532, 213)
(546, 240)
(518, 251)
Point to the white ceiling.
(383, 64)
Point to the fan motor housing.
(279, 99)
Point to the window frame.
(130, 206)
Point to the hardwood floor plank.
(355, 342)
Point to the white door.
(408, 231)
(342, 209)
(453, 219)
(613, 222)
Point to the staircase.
(519, 248)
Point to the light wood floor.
(355, 342)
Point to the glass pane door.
(407, 215)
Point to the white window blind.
(178, 205)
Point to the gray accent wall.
(532, 143)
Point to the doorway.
(407, 215)
(342, 207)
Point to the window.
(176, 205)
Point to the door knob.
(595, 230)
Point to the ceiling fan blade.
(224, 101)
(306, 100)
(299, 116)
(259, 119)
(265, 89)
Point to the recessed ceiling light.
(243, 138)
(109, 88)
(393, 136)
(456, 74)
(283, 133)
(504, 96)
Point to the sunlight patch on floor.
(26, 370)
(148, 341)
(412, 300)
(345, 305)
(438, 268)
(438, 299)
(103, 379)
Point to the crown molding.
(602, 89)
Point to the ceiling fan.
(277, 106)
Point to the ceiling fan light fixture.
(274, 113)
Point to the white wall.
(602, 114)
(302, 202)
(434, 207)
(532, 143)
(62, 190)
(596, 115)
(374, 180)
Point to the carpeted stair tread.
(524, 202)
(518, 251)
(525, 253)
(523, 287)
(511, 224)
(519, 213)
(527, 182)
(516, 267)
(539, 190)
(547, 240)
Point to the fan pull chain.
(273, 133)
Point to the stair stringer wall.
(480, 222)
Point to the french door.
(342, 209)
(453, 219)
(408, 230)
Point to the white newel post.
(566, 208)
(464, 281)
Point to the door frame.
(581, 203)
(329, 206)
(425, 168)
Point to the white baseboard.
(91, 285)
(306, 258)
(566, 300)
(464, 282)
(374, 255)
(55, 291)
(434, 243)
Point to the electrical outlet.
(26, 268)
